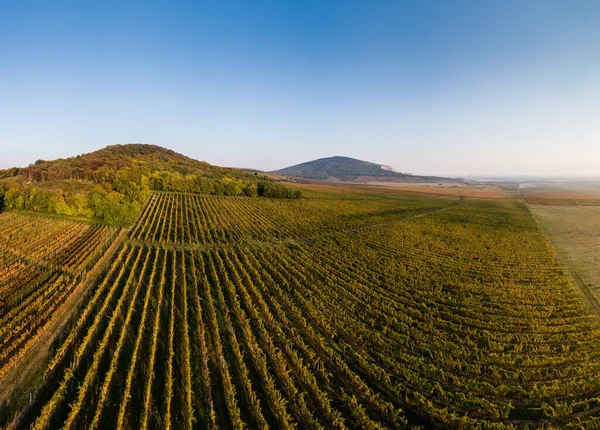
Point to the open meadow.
(569, 214)
(575, 232)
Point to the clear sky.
(482, 87)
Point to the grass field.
(575, 231)
(371, 309)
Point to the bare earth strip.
(27, 375)
(574, 231)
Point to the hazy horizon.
(432, 88)
(470, 176)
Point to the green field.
(376, 309)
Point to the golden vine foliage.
(334, 311)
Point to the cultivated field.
(189, 220)
(451, 189)
(339, 310)
(575, 231)
(591, 187)
(563, 194)
(43, 263)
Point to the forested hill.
(349, 169)
(100, 165)
(113, 183)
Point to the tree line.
(119, 199)
(221, 186)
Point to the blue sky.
(431, 87)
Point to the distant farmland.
(339, 310)
(576, 194)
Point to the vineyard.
(193, 222)
(333, 311)
(42, 263)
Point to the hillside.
(347, 169)
(100, 164)
(112, 184)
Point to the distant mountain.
(348, 169)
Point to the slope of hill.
(101, 164)
(113, 183)
(349, 169)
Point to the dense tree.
(225, 186)
(13, 198)
(9, 173)
(116, 182)
(113, 207)
(277, 191)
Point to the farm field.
(591, 187)
(449, 189)
(43, 263)
(575, 232)
(191, 221)
(339, 310)
(562, 194)
(435, 189)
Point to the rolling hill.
(98, 165)
(112, 184)
(346, 169)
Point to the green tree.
(13, 198)
(60, 206)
